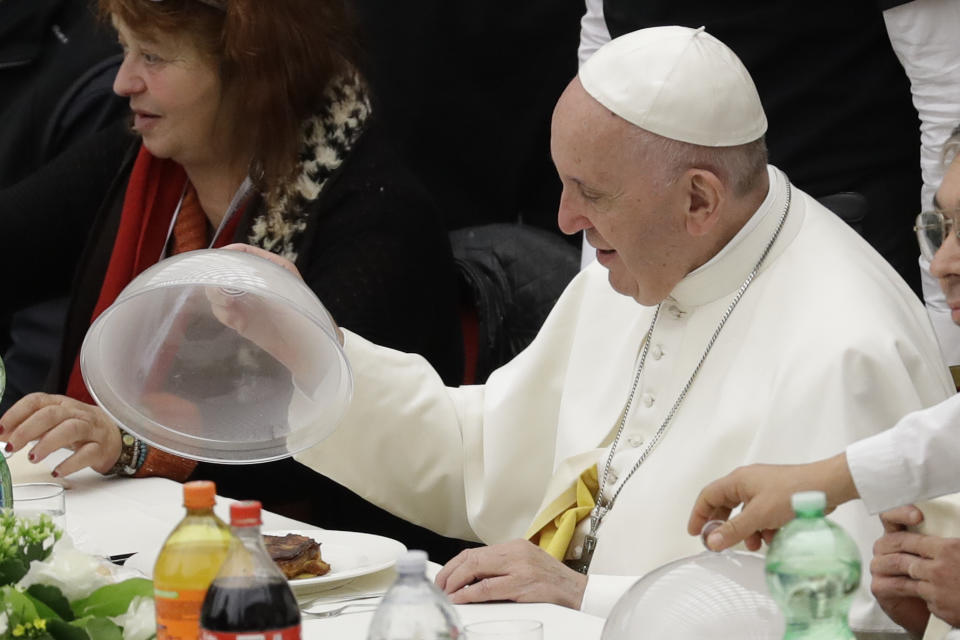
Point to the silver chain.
(602, 506)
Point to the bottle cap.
(199, 494)
(245, 514)
(807, 501)
(413, 561)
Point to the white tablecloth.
(112, 516)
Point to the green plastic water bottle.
(6, 484)
(813, 570)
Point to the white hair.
(740, 167)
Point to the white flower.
(3, 622)
(75, 573)
(139, 622)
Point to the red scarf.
(153, 191)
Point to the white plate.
(350, 554)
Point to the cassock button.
(676, 311)
(635, 442)
(647, 400)
(656, 352)
(613, 476)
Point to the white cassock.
(827, 346)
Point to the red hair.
(276, 59)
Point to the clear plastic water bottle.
(813, 570)
(6, 483)
(414, 608)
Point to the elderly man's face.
(946, 263)
(636, 224)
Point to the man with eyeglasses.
(914, 575)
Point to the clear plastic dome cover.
(710, 595)
(219, 355)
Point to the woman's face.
(175, 95)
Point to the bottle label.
(178, 613)
(290, 633)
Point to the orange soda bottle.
(188, 562)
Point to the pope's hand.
(518, 571)
(230, 311)
(915, 574)
(59, 422)
(764, 491)
(266, 255)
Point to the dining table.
(114, 517)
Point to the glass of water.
(32, 499)
(505, 630)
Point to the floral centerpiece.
(50, 590)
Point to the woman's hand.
(59, 422)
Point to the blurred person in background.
(57, 64)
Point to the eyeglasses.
(932, 228)
(216, 4)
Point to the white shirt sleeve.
(603, 591)
(593, 30)
(918, 458)
(923, 34)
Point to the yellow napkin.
(555, 536)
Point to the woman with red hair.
(251, 123)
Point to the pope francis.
(730, 318)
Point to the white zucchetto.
(679, 83)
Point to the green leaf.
(61, 630)
(52, 598)
(11, 570)
(43, 611)
(101, 628)
(113, 599)
(19, 606)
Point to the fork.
(323, 599)
(332, 613)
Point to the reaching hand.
(231, 311)
(518, 571)
(57, 422)
(266, 255)
(915, 574)
(765, 490)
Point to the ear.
(705, 197)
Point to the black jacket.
(373, 250)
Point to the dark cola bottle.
(249, 598)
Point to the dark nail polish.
(31, 457)
(55, 474)
(9, 447)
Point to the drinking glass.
(505, 630)
(31, 499)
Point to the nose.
(128, 81)
(569, 216)
(946, 261)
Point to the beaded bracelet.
(133, 451)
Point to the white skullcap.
(679, 83)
